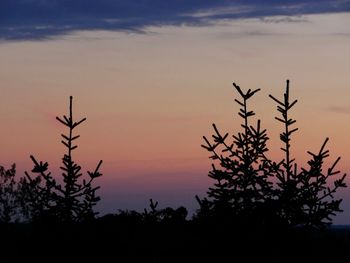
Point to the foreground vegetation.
(257, 208)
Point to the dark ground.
(112, 240)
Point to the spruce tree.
(253, 188)
(241, 183)
(305, 195)
(70, 201)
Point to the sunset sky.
(151, 76)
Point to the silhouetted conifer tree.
(74, 199)
(305, 197)
(244, 188)
(242, 183)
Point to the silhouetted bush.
(73, 200)
(166, 215)
(251, 188)
(10, 195)
(152, 216)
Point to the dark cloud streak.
(45, 19)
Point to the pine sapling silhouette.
(305, 197)
(252, 187)
(286, 170)
(242, 184)
(73, 200)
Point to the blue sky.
(45, 19)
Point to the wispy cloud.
(45, 19)
(339, 109)
(284, 19)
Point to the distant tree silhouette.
(73, 200)
(166, 215)
(245, 190)
(151, 215)
(9, 195)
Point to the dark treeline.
(257, 208)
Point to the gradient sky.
(152, 77)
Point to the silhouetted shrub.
(166, 215)
(174, 215)
(71, 201)
(251, 188)
(151, 215)
(10, 197)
